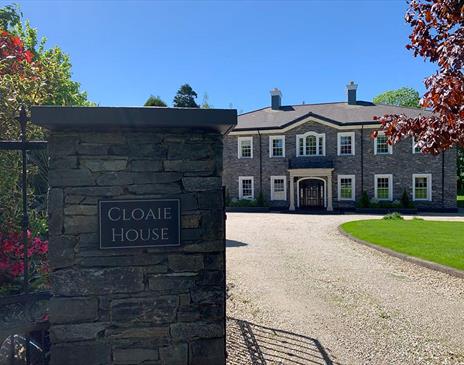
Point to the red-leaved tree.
(437, 36)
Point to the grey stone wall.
(134, 306)
(402, 164)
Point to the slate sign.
(139, 223)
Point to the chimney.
(351, 90)
(276, 99)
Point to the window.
(246, 187)
(415, 149)
(381, 147)
(276, 146)
(345, 146)
(278, 188)
(245, 147)
(422, 187)
(310, 144)
(346, 187)
(383, 187)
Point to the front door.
(311, 194)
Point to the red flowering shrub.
(13, 52)
(12, 258)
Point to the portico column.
(329, 193)
(292, 193)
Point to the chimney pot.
(351, 91)
(276, 99)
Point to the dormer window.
(310, 144)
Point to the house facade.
(323, 156)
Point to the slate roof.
(338, 113)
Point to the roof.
(338, 113)
(133, 118)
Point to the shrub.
(405, 201)
(393, 216)
(12, 264)
(243, 203)
(227, 199)
(364, 201)
(261, 202)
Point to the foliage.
(393, 216)
(12, 256)
(460, 169)
(437, 36)
(404, 96)
(243, 203)
(10, 16)
(437, 241)
(364, 200)
(205, 104)
(227, 198)
(461, 201)
(30, 74)
(154, 101)
(405, 201)
(185, 97)
(261, 201)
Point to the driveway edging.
(412, 259)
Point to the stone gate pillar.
(136, 226)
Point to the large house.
(322, 156)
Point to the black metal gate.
(31, 347)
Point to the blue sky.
(123, 51)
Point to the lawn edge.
(415, 260)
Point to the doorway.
(311, 194)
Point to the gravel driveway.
(301, 293)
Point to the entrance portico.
(312, 188)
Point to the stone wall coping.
(132, 118)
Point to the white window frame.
(429, 187)
(240, 187)
(390, 186)
(273, 178)
(317, 135)
(339, 146)
(239, 145)
(353, 187)
(390, 147)
(271, 150)
(414, 152)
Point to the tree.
(404, 96)
(205, 104)
(437, 36)
(185, 97)
(30, 74)
(10, 16)
(154, 101)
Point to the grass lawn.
(461, 201)
(440, 242)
